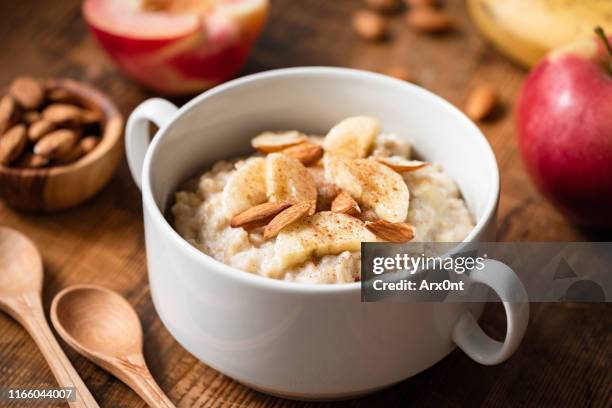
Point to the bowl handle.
(137, 134)
(470, 337)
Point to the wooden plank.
(565, 358)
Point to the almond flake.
(345, 204)
(401, 165)
(287, 217)
(391, 231)
(270, 142)
(308, 153)
(258, 216)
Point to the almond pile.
(424, 16)
(349, 179)
(43, 126)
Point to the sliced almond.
(33, 161)
(481, 102)
(62, 113)
(308, 153)
(72, 155)
(40, 128)
(28, 92)
(345, 204)
(89, 143)
(12, 144)
(391, 231)
(429, 20)
(270, 142)
(401, 165)
(56, 144)
(7, 112)
(287, 217)
(258, 216)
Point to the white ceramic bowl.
(301, 340)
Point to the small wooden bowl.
(61, 187)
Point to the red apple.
(177, 46)
(564, 119)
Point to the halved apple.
(177, 46)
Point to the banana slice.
(246, 188)
(353, 138)
(372, 184)
(325, 233)
(288, 180)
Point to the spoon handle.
(133, 371)
(28, 310)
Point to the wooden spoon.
(103, 326)
(21, 278)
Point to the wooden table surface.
(566, 356)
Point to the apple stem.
(601, 33)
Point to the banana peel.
(526, 30)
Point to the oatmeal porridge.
(299, 209)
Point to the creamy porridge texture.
(299, 208)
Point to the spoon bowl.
(98, 320)
(21, 267)
(103, 327)
(21, 280)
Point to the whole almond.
(72, 155)
(89, 143)
(369, 25)
(28, 92)
(481, 102)
(308, 153)
(12, 144)
(429, 20)
(384, 6)
(391, 231)
(63, 114)
(400, 73)
(33, 161)
(345, 204)
(39, 129)
(270, 142)
(258, 216)
(7, 112)
(287, 217)
(30, 117)
(56, 144)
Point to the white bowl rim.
(261, 282)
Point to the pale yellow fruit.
(287, 179)
(525, 30)
(372, 184)
(325, 233)
(245, 188)
(353, 138)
